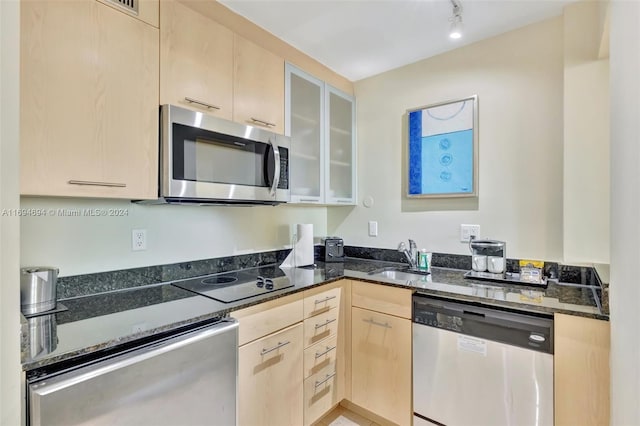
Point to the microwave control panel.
(284, 168)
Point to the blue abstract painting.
(441, 149)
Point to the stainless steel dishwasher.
(185, 379)
(479, 366)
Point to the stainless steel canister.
(38, 289)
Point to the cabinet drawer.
(321, 355)
(265, 318)
(320, 327)
(320, 394)
(381, 298)
(321, 302)
(270, 386)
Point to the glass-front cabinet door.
(304, 123)
(340, 147)
(320, 120)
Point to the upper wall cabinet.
(144, 10)
(304, 122)
(258, 86)
(341, 153)
(320, 121)
(89, 101)
(196, 61)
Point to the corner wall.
(586, 136)
(624, 298)
(11, 391)
(518, 77)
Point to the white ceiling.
(361, 38)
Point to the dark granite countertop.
(100, 322)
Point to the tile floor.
(340, 416)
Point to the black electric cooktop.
(233, 286)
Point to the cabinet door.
(147, 10)
(381, 364)
(258, 87)
(270, 389)
(581, 373)
(196, 61)
(89, 102)
(304, 122)
(341, 147)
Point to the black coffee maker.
(333, 249)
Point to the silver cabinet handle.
(329, 349)
(91, 183)
(372, 322)
(276, 347)
(309, 200)
(344, 201)
(317, 302)
(264, 123)
(327, 322)
(325, 380)
(204, 104)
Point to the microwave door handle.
(276, 169)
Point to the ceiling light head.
(456, 21)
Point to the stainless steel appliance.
(233, 286)
(187, 379)
(333, 249)
(38, 289)
(208, 160)
(477, 366)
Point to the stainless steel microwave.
(209, 160)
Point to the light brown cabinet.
(381, 351)
(581, 371)
(270, 380)
(196, 61)
(89, 102)
(324, 341)
(258, 86)
(147, 10)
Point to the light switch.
(373, 228)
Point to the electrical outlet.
(467, 231)
(373, 229)
(138, 239)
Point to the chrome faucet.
(411, 254)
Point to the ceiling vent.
(130, 6)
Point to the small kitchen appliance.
(488, 255)
(38, 289)
(209, 160)
(333, 249)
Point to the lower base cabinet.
(320, 394)
(381, 364)
(581, 371)
(270, 379)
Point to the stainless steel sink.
(400, 274)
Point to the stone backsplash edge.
(84, 285)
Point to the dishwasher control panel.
(520, 329)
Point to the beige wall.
(586, 136)
(518, 77)
(86, 244)
(10, 379)
(625, 213)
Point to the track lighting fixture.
(456, 20)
